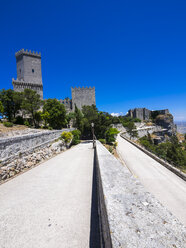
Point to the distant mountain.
(181, 126)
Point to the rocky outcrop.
(166, 122)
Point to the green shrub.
(76, 137)
(110, 149)
(50, 128)
(111, 134)
(8, 124)
(26, 123)
(115, 144)
(67, 137)
(103, 141)
(19, 120)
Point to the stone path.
(50, 205)
(167, 187)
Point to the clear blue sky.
(132, 51)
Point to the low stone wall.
(30, 159)
(161, 161)
(9, 147)
(131, 217)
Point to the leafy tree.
(131, 129)
(76, 137)
(1, 109)
(38, 118)
(111, 134)
(45, 116)
(78, 119)
(31, 103)
(57, 113)
(6, 97)
(18, 100)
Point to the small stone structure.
(128, 215)
(28, 72)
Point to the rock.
(4, 177)
(12, 173)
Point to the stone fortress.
(145, 114)
(29, 76)
(28, 72)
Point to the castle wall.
(83, 96)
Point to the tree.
(18, 100)
(1, 109)
(31, 103)
(76, 137)
(6, 97)
(45, 116)
(131, 129)
(57, 113)
(78, 119)
(111, 134)
(38, 118)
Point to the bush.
(19, 120)
(103, 141)
(26, 123)
(111, 134)
(115, 144)
(8, 124)
(67, 137)
(76, 137)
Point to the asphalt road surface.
(49, 206)
(167, 187)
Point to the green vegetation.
(111, 134)
(67, 137)
(1, 109)
(103, 141)
(76, 137)
(173, 151)
(31, 103)
(8, 124)
(54, 114)
(131, 129)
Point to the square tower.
(28, 72)
(83, 96)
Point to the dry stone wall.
(29, 159)
(12, 146)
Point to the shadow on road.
(94, 241)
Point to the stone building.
(140, 113)
(68, 104)
(82, 96)
(28, 72)
(29, 77)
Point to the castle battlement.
(82, 88)
(26, 52)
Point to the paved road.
(168, 188)
(49, 206)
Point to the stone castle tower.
(28, 72)
(83, 96)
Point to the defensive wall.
(10, 147)
(128, 215)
